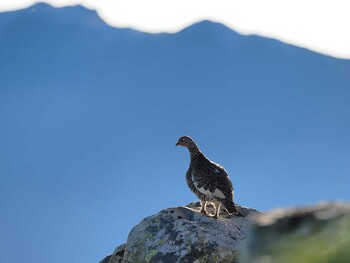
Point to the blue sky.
(90, 116)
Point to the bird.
(209, 181)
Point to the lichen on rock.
(182, 234)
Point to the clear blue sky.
(90, 116)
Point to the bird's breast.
(203, 187)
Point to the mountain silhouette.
(90, 114)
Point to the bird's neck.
(195, 152)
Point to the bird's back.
(209, 178)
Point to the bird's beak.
(177, 144)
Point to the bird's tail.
(230, 206)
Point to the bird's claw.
(204, 212)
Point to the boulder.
(182, 234)
(117, 255)
(317, 234)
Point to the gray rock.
(117, 255)
(318, 234)
(182, 234)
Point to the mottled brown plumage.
(208, 180)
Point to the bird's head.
(186, 141)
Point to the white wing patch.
(216, 193)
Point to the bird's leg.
(203, 207)
(217, 209)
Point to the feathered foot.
(217, 210)
(203, 209)
(230, 207)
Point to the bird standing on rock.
(208, 180)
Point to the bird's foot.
(235, 213)
(203, 211)
(214, 216)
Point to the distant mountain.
(90, 114)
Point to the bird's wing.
(212, 179)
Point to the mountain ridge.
(92, 18)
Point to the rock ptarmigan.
(208, 180)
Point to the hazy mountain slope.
(90, 114)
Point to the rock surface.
(117, 255)
(318, 234)
(182, 234)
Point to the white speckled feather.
(216, 193)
